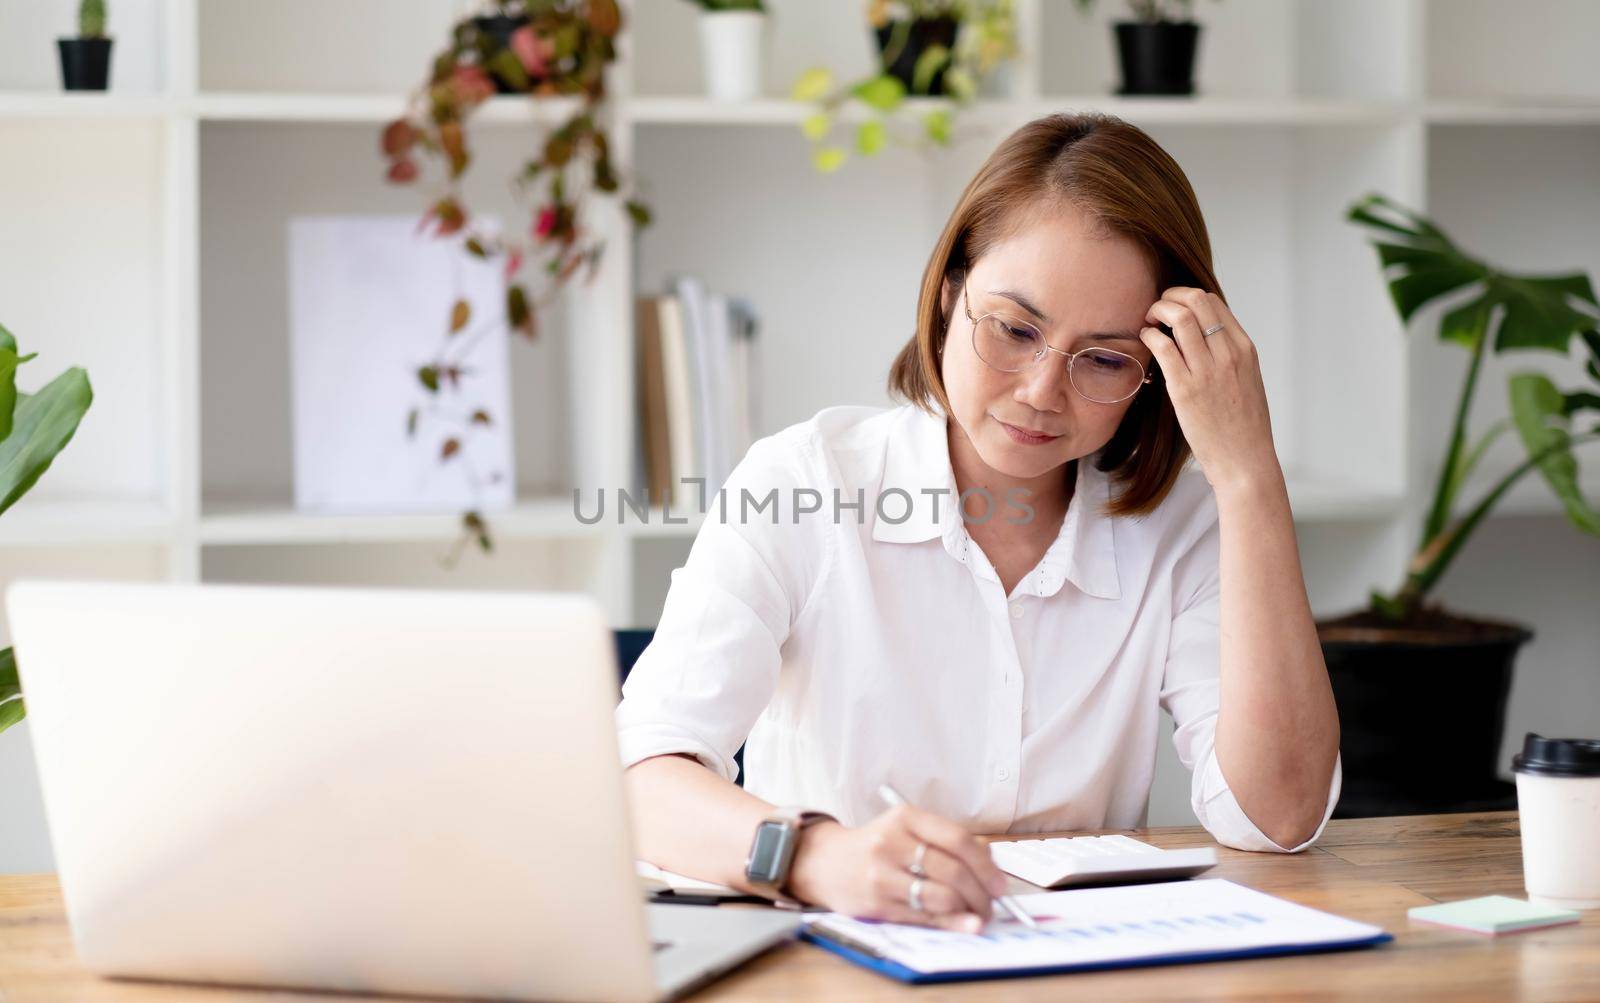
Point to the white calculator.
(1084, 860)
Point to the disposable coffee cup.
(1558, 798)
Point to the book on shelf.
(696, 359)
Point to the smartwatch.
(772, 851)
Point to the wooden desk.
(1371, 870)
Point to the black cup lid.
(1558, 757)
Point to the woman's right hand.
(864, 871)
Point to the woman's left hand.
(1215, 385)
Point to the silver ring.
(1213, 329)
(914, 896)
(916, 867)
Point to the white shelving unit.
(145, 240)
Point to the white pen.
(892, 796)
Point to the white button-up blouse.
(835, 616)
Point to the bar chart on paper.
(1098, 928)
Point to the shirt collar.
(917, 458)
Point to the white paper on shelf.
(675, 367)
(695, 300)
(370, 303)
(1126, 923)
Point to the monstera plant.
(1421, 691)
(1501, 312)
(33, 429)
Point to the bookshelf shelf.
(240, 117)
(1511, 113)
(361, 108)
(240, 522)
(50, 522)
(47, 105)
(1152, 111)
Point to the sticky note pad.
(1491, 914)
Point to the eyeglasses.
(1012, 346)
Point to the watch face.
(767, 850)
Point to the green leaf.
(6, 340)
(473, 524)
(43, 425)
(1415, 289)
(1467, 325)
(11, 708)
(816, 125)
(959, 83)
(882, 92)
(10, 682)
(429, 377)
(1538, 409)
(1404, 254)
(638, 212)
(869, 137)
(11, 712)
(1362, 213)
(1583, 400)
(828, 159)
(937, 125)
(1592, 339)
(505, 65)
(518, 312)
(1573, 284)
(932, 59)
(1537, 315)
(813, 85)
(8, 389)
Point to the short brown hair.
(1129, 186)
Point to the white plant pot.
(732, 52)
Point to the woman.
(982, 597)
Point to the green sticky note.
(1491, 914)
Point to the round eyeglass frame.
(1072, 357)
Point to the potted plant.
(541, 49)
(1157, 48)
(1422, 692)
(910, 32)
(918, 58)
(86, 60)
(33, 429)
(732, 48)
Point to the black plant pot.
(921, 35)
(1421, 716)
(500, 27)
(85, 63)
(1158, 57)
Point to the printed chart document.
(1098, 928)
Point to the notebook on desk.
(1095, 928)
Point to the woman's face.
(1078, 289)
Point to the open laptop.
(361, 790)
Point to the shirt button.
(1016, 611)
(1003, 774)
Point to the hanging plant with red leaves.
(542, 48)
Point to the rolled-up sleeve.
(1190, 692)
(713, 664)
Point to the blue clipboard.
(866, 957)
